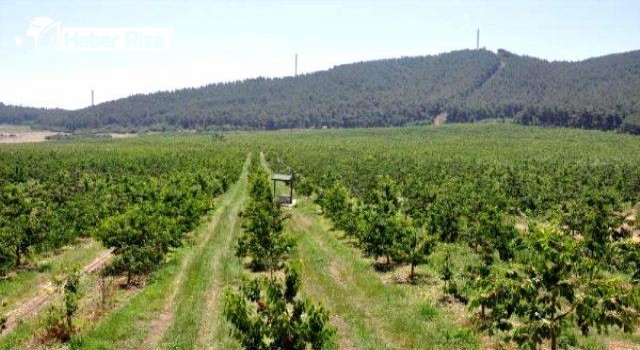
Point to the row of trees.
(382, 226)
(266, 312)
(138, 199)
(263, 240)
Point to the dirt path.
(159, 325)
(31, 307)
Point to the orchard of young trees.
(532, 233)
(571, 269)
(138, 197)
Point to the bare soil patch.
(622, 345)
(343, 330)
(26, 137)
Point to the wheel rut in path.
(32, 307)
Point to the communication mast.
(478, 39)
(295, 71)
(92, 98)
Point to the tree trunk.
(103, 292)
(413, 272)
(554, 336)
(18, 256)
(388, 260)
(128, 276)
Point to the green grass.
(124, 328)
(199, 297)
(377, 314)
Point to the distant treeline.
(598, 93)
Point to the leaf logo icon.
(45, 32)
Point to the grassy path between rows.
(367, 312)
(180, 308)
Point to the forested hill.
(602, 93)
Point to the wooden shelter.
(288, 180)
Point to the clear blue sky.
(216, 41)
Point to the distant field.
(14, 128)
(22, 134)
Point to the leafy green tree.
(268, 315)
(335, 202)
(596, 219)
(139, 239)
(627, 257)
(23, 218)
(414, 245)
(553, 288)
(71, 290)
(445, 217)
(491, 233)
(59, 320)
(446, 272)
(384, 221)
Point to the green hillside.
(468, 85)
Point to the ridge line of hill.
(468, 85)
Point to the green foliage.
(139, 238)
(555, 287)
(267, 314)
(627, 258)
(385, 223)
(59, 320)
(447, 275)
(138, 196)
(71, 289)
(491, 233)
(23, 220)
(414, 245)
(263, 239)
(468, 85)
(464, 185)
